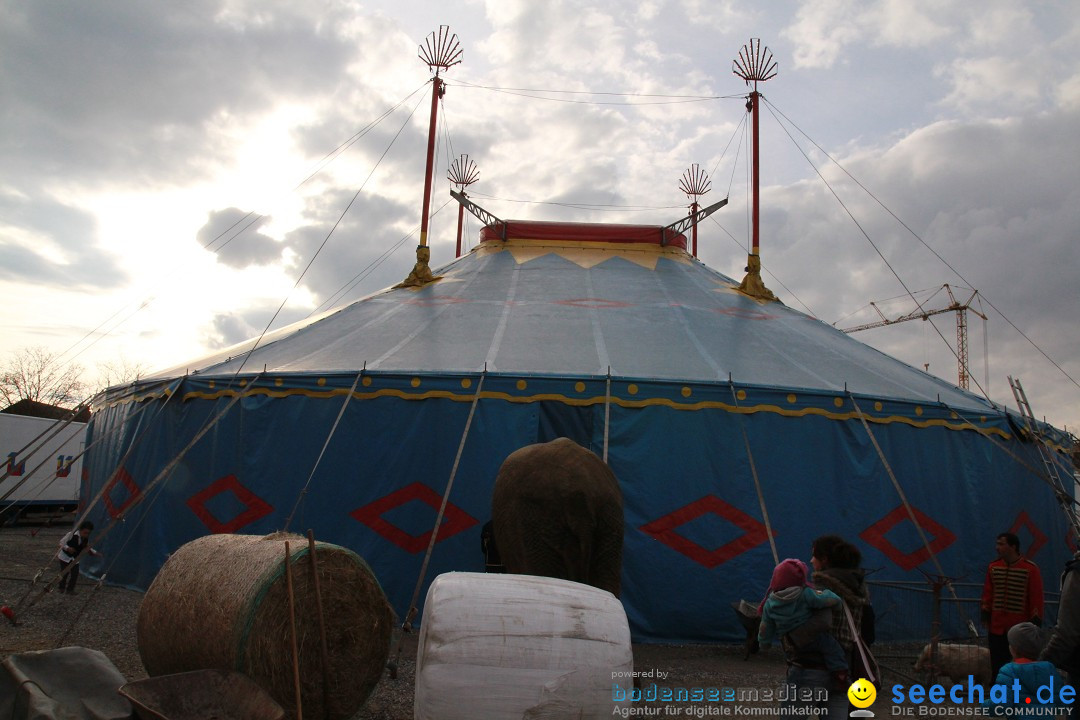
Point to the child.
(1026, 641)
(789, 603)
(71, 546)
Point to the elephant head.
(557, 511)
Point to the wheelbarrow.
(201, 695)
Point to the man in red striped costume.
(1012, 593)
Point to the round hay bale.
(221, 602)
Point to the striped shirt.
(1012, 594)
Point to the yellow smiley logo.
(862, 693)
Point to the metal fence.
(948, 615)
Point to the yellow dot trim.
(279, 382)
(918, 410)
(632, 389)
(838, 402)
(521, 385)
(466, 383)
(686, 391)
(366, 382)
(741, 394)
(579, 386)
(791, 399)
(320, 382)
(878, 406)
(415, 382)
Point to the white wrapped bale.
(512, 646)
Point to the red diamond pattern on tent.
(1038, 538)
(455, 519)
(134, 493)
(875, 536)
(256, 506)
(595, 303)
(664, 530)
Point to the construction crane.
(920, 313)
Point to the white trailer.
(42, 461)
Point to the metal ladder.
(1065, 498)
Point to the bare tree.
(119, 372)
(34, 373)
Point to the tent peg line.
(120, 516)
(607, 413)
(292, 632)
(333, 429)
(754, 474)
(972, 630)
(406, 624)
(324, 652)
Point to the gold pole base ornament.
(421, 274)
(752, 284)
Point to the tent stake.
(322, 626)
(292, 631)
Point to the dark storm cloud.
(999, 207)
(128, 88)
(592, 188)
(360, 251)
(366, 251)
(69, 255)
(368, 126)
(229, 329)
(233, 235)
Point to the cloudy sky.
(168, 171)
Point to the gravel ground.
(103, 618)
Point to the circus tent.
(723, 416)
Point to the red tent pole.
(436, 93)
(439, 52)
(460, 220)
(756, 179)
(693, 212)
(755, 64)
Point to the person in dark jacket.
(1063, 649)
(836, 567)
(72, 546)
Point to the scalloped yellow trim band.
(584, 401)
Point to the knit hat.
(789, 573)
(1026, 640)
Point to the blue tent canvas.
(712, 408)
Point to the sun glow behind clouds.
(153, 234)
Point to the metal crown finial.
(695, 182)
(463, 172)
(442, 51)
(755, 63)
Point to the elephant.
(557, 511)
